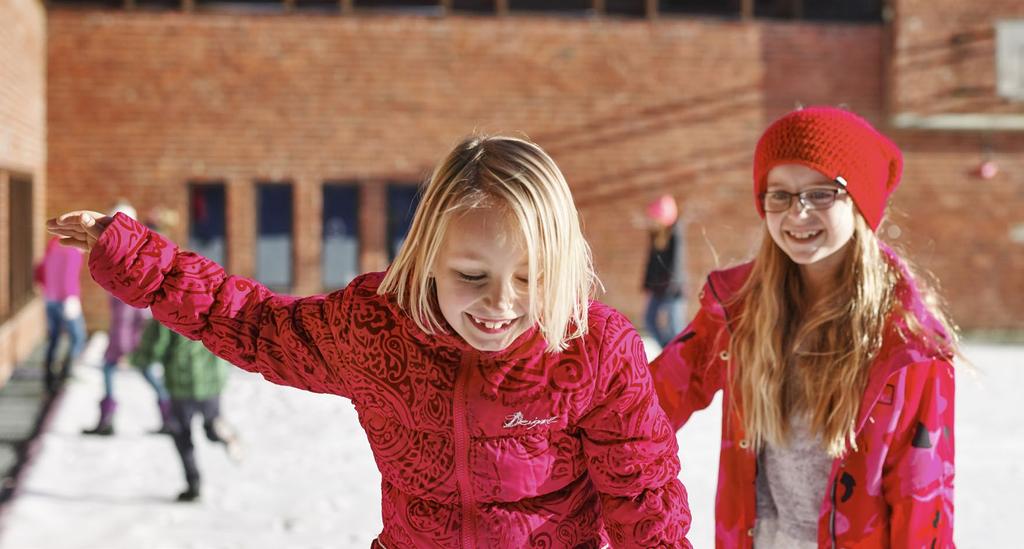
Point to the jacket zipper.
(461, 442)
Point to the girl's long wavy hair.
(791, 356)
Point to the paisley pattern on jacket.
(895, 490)
(516, 448)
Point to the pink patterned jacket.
(895, 490)
(517, 448)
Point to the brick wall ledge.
(958, 122)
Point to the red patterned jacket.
(517, 448)
(895, 490)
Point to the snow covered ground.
(308, 479)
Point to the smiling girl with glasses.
(837, 373)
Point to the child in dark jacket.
(663, 276)
(194, 378)
(504, 407)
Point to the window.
(340, 234)
(820, 10)
(158, 5)
(19, 234)
(422, 7)
(402, 201)
(577, 7)
(245, 6)
(274, 235)
(473, 6)
(1010, 59)
(322, 6)
(699, 7)
(111, 4)
(206, 228)
(629, 8)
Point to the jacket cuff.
(129, 260)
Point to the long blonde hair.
(790, 356)
(519, 179)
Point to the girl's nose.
(800, 207)
(503, 295)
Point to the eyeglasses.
(811, 199)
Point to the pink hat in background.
(663, 210)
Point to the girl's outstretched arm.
(631, 450)
(290, 341)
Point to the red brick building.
(289, 135)
(22, 174)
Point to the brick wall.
(23, 155)
(961, 226)
(141, 103)
(944, 56)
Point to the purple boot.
(165, 417)
(105, 426)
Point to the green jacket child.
(190, 371)
(194, 378)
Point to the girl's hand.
(80, 229)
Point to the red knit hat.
(840, 145)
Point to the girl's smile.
(491, 326)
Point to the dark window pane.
(340, 234)
(206, 227)
(242, 6)
(700, 7)
(821, 10)
(473, 6)
(576, 7)
(322, 6)
(424, 7)
(86, 3)
(19, 243)
(158, 5)
(843, 10)
(632, 8)
(274, 235)
(402, 202)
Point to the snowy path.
(308, 479)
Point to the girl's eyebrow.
(467, 253)
(480, 262)
(822, 183)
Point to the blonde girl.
(837, 374)
(503, 406)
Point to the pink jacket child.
(895, 491)
(58, 273)
(837, 378)
(515, 446)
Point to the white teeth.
(493, 325)
(803, 235)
